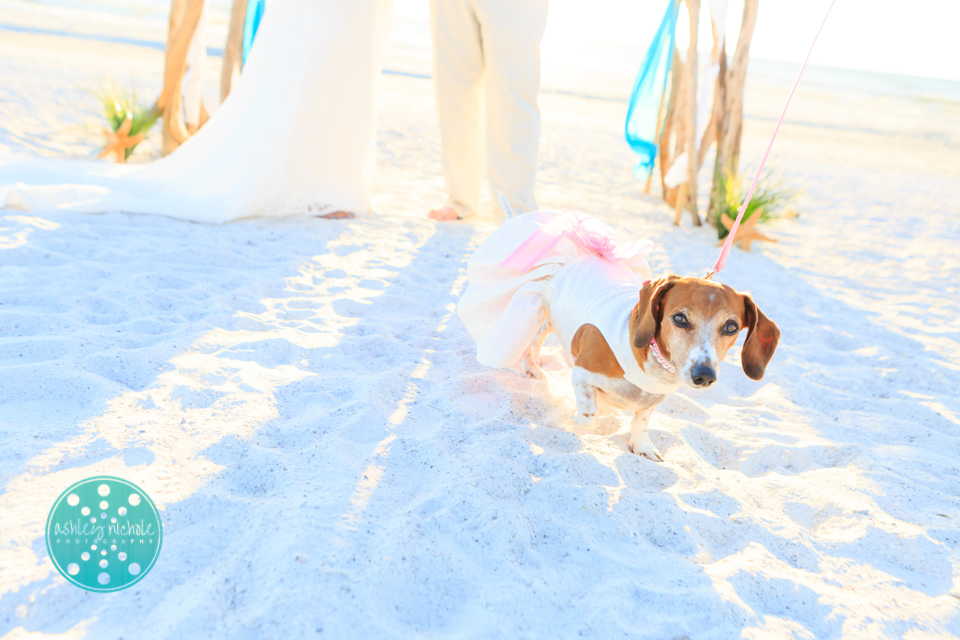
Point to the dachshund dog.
(632, 342)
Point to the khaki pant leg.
(458, 73)
(511, 32)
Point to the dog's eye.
(730, 328)
(680, 320)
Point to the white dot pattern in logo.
(128, 537)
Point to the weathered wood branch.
(712, 133)
(731, 129)
(233, 52)
(666, 154)
(689, 202)
(184, 18)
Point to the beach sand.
(304, 406)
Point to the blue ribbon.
(644, 110)
(250, 26)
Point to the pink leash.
(722, 260)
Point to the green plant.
(770, 198)
(120, 104)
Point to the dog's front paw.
(532, 371)
(584, 419)
(530, 368)
(643, 447)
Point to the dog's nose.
(703, 376)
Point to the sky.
(918, 37)
(915, 37)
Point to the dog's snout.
(703, 376)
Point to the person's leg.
(512, 31)
(457, 74)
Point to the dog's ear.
(762, 338)
(649, 313)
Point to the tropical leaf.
(770, 198)
(120, 104)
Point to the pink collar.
(656, 349)
(659, 356)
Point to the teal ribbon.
(252, 23)
(648, 90)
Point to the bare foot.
(444, 214)
(337, 215)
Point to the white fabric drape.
(294, 137)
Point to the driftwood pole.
(719, 57)
(663, 118)
(656, 131)
(233, 52)
(687, 196)
(666, 155)
(184, 17)
(730, 122)
(725, 127)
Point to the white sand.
(303, 404)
